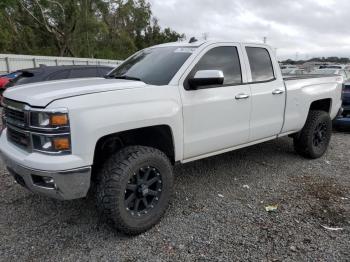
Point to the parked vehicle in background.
(285, 69)
(343, 121)
(9, 75)
(4, 80)
(167, 104)
(50, 73)
(332, 71)
(345, 67)
(295, 71)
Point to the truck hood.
(42, 93)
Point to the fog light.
(48, 180)
(44, 181)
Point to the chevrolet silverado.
(119, 136)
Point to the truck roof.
(201, 42)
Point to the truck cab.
(173, 103)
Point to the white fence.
(9, 62)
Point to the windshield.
(154, 66)
(324, 72)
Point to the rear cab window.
(260, 64)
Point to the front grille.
(19, 138)
(15, 117)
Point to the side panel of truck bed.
(302, 91)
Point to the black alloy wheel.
(133, 188)
(143, 191)
(313, 140)
(320, 134)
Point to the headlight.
(45, 120)
(50, 131)
(52, 144)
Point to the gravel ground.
(217, 213)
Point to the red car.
(3, 81)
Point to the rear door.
(216, 117)
(268, 92)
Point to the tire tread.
(109, 186)
(302, 140)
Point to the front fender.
(97, 115)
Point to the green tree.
(111, 29)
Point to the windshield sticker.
(185, 50)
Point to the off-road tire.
(111, 187)
(304, 140)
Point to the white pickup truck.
(167, 104)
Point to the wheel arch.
(157, 136)
(324, 104)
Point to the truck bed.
(303, 89)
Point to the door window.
(224, 58)
(260, 64)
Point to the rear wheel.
(134, 188)
(313, 140)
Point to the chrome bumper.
(63, 185)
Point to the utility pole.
(264, 39)
(296, 56)
(205, 36)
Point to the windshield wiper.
(127, 77)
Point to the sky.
(299, 29)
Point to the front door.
(216, 117)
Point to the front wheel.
(313, 140)
(134, 188)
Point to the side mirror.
(206, 78)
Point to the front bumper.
(65, 185)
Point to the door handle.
(277, 92)
(241, 96)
